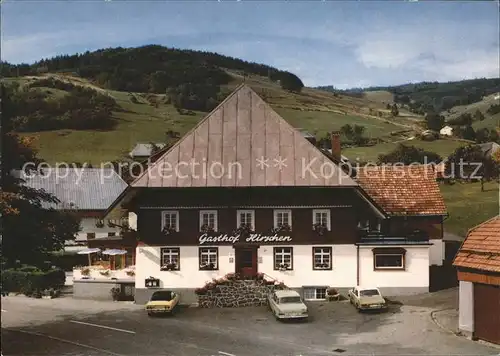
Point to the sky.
(341, 43)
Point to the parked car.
(367, 298)
(162, 302)
(287, 304)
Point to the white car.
(367, 298)
(287, 304)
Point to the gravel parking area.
(335, 328)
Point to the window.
(208, 218)
(170, 220)
(315, 293)
(283, 258)
(170, 259)
(375, 225)
(389, 258)
(246, 217)
(322, 217)
(389, 261)
(282, 217)
(370, 224)
(209, 257)
(322, 258)
(363, 224)
(90, 235)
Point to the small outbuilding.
(478, 264)
(446, 131)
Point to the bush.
(31, 281)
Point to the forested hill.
(426, 97)
(191, 78)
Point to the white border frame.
(403, 262)
(175, 212)
(314, 299)
(328, 217)
(275, 216)
(216, 219)
(238, 217)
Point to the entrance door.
(246, 261)
(487, 312)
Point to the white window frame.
(329, 253)
(315, 289)
(402, 267)
(238, 217)
(328, 217)
(282, 254)
(172, 251)
(170, 212)
(278, 211)
(203, 212)
(209, 251)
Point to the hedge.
(31, 281)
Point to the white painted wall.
(466, 306)
(343, 273)
(446, 131)
(147, 265)
(436, 252)
(88, 225)
(416, 273)
(189, 276)
(132, 220)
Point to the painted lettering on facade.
(225, 238)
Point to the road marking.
(66, 341)
(225, 353)
(102, 326)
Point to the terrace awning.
(88, 251)
(114, 252)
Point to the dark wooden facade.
(346, 208)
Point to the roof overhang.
(116, 210)
(361, 193)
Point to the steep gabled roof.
(481, 248)
(403, 190)
(228, 144)
(78, 188)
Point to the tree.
(354, 133)
(479, 116)
(408, 155)
(347, 130)
(394, 110)
(469, 162)
(31, 231)
(291, 82)
(468, 133)
(434, 121)
(482, 135)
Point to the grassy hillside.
(442, 147)
(138, 120)
(468, 206)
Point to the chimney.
(335, 140)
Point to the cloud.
(372, 47)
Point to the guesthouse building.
(244, 192)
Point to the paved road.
(69, 327)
